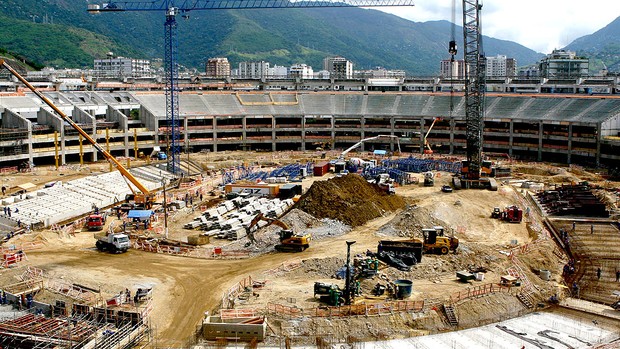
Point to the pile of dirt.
(410, 222)
(349, 199)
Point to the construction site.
(309, 219)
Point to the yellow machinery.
(289, 241)
(144, 197)
(436, 242)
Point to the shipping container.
(321, 169)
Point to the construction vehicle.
(344, 153)
(144, 198)
(427, 146)
(512, 214)
(429, 179)
(385, 183)
(328, 293)
(436, 242)
(95, 221)
(114, 242)
(289, 241)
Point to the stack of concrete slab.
(75, 198)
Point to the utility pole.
(165, 205)
(347, 288)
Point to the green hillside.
(369, 38)
(602, 47)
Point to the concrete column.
(214, 134)
(362, 131)
(392, 129)
(570, 144)
(598, 144)
(333, 127)
(186, 133)
(511, 127)
(422, 133)
(273, 133)
(303, 132)
(540, 140)
(244, 124)
(452, 130)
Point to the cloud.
(541, 25)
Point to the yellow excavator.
(289, 241)
(144, 198)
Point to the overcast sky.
(541, 25)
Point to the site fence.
(478, 291)
(191, 252)
(228, 298)
(374, 309)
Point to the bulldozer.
(436, 242)
(289, 241)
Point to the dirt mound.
(349, 199)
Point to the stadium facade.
(562, 128)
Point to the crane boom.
(67, 119)
(172, 8)
(191, 5)
(344, 153)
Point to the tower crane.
(172, 8)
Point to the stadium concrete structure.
(562, 128)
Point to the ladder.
(451, 315)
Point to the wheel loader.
(436, 242)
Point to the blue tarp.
(380, 152)
(140, 214)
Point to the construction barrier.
(364, 309)
(478, 291)
(228, 298)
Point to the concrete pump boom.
(344, 153)
(148, 195)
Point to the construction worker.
(618, 275)
(598, 273)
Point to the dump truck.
(95, 221)
(115, 242)
(436, 242)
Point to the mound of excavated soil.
(349, 199)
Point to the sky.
(541, 25)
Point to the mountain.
(602, 47)
(61, 33)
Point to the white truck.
(115, 243)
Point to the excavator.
(289, 241)
(144, 198)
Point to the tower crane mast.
(474, 86)
(172, 8)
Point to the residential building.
(278, 72)
(338, 67)
(253, 70)
(452, 69)
(500, 66)
(218, 67)
(301, 71)
(564, 64)
(122, 67)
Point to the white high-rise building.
(122, 67)
(253, 70)
(500, 66)
(301, 71)
(452, 69)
